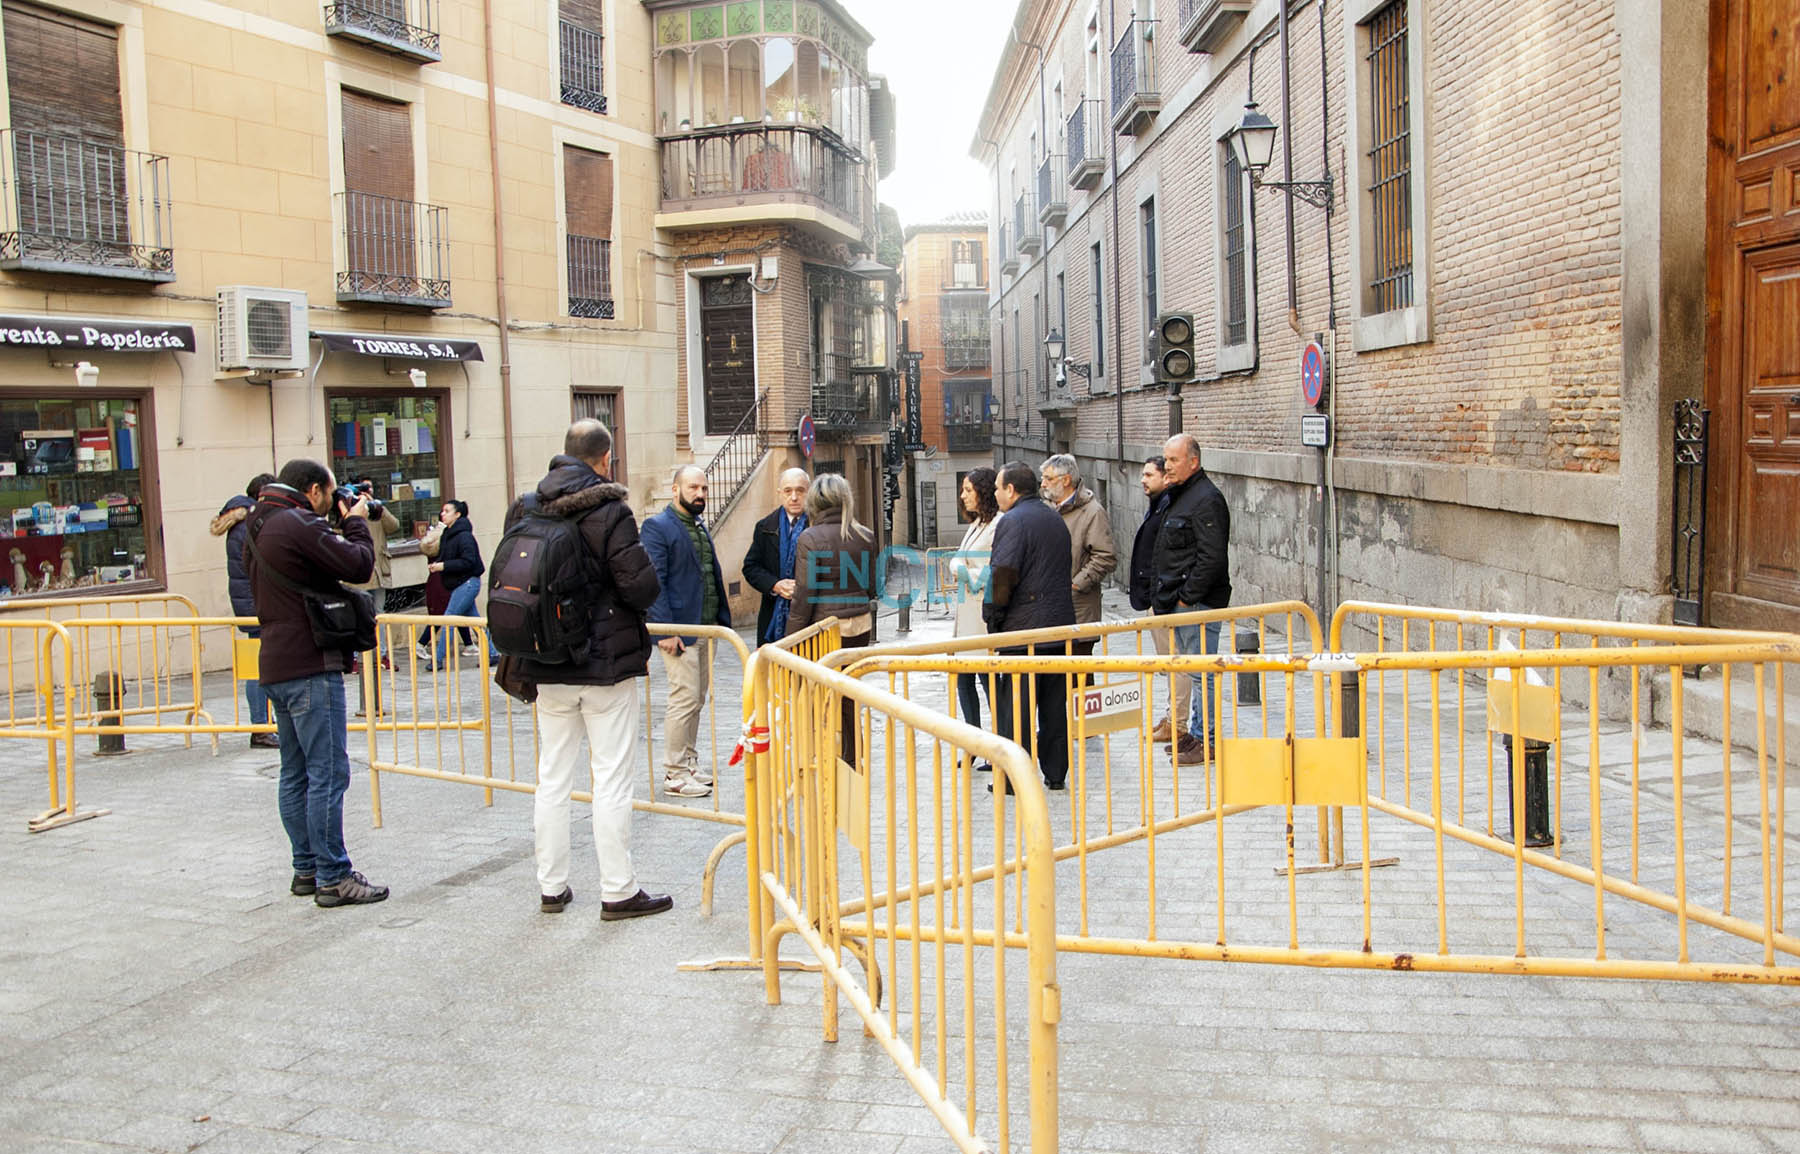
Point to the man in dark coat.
(1192, 571)
(693, 593)
(769, 565)
(232, 523)
(598, 696)
(1029, 588)
(1155, 479)
(291, 547)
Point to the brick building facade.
(1506, 281)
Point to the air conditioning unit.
(261, 328)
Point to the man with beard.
(693, 593)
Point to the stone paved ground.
(159, 990)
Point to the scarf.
(791, 528)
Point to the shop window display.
(396, 441)
(72, 483)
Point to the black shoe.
(554, 903)
(1006, 788)
(352, 889)
(302, 886)
(1056, 786)
(639, 905)
(264, 741)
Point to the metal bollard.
(1249, 685)
(109, 698)
(1537, 790)
(906, 604)
(1350, 706)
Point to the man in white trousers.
(596, 697)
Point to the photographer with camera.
(297, 565)
(381, 524)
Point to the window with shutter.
(581, 28)
(73, 209)
(387, 235)
(587, 201)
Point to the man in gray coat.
(1091, 552)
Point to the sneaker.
(264, 741)
(554, 903)
(639, 905)
(303, 885)
(425, 653)
(471, 651)
(684, 785)
(351, 890)
(1160, 735)
(703, 776)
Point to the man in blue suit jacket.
(693, 593)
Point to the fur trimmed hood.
(228, 518)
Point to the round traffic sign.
(809, 436)
(1312, 373)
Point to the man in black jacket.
(1155, 479)
(290, 547)
(598, 696)
(1191, 570)
(769, 565)
(1029, 588)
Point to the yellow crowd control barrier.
(38, 656)
(886, 857)
(940, 579)
(433, 723)
(1646, 836)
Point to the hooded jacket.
(624, 582)
(1092, 554)
(231, 524)
(300, 545)
(460, 555)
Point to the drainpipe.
(493, 119)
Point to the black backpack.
(539, 588)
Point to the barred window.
(1098, 297)
(1237, 296)
(1147, 214)
(1390, 162)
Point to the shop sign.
(95, 334)
(401, 347)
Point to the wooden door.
(1753, 288)
(728, 334)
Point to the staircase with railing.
(728, 473)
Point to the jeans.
(968, 700)
(1187, 640)
(462, 604)
(255, 697)
(315, 771)
(607, 715)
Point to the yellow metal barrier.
(435, 724)
(903, 900)
(940, 579)
(46, 669)
(1680, 845)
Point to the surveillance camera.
(417, 376)
(87, 374)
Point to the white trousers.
(690, 679)
(607, 715)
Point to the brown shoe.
(639, 905)
(264, 741)
(1160, 735)
(555, 903)
(1190, 750)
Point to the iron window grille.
(1237, 311)
(75, 206)
(581, 59)
(1390, 162)
(590, 277)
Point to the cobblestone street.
(160, 990)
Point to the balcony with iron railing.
(746, 166)
(1207, 24)
(968, 436)
(849, 398)
(1053, 205)
(590, 277)
(393, 252)
(1009, 256)
(406, 28)
(1135, 98)
(69, 205)
(1086, 143)
(580, 56)
(1025, 226)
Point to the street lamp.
(1054, 348)
(1253, 146)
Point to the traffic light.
(1175, 347)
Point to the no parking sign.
(1312, 373)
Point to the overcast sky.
(940, 56)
